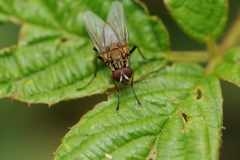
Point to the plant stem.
(211, 65)
(211, 48)
(215, 57)
(232, 37)
(187, 56)
(214, 53)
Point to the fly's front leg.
(136, 47)
(95, 74)
(139, 103)
(133, 49)
(95, 49)
(118, 94)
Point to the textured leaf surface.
(229, 69)
(200, 19)
(55, 56)
(180, 118)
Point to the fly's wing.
(109, 36)
(117, 21)
(95, 28)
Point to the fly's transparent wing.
(109, 36)
(117, 21)
(95, 28)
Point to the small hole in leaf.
(185, 117)
(63, 39)
(199, 94)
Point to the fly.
(110, 40)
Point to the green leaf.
(55, 55)
(200, 19)
(229, 69)
(180, 118)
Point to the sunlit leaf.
(180, 116)
(55, 56)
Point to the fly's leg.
(133, 49)
(139, 103)
(95, 49)
(95, 73)
(118, 95)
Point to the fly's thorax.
(126, 49)
(105, 57)
(117, 57)
(122, 75)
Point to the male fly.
(110, 40)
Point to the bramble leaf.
(229, 69)
(55, 55)
(201, 20)
(180, 118)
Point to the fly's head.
(123, 75)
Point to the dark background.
(34, 132)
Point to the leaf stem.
(187, 56)
(215, 57)
(231, 39)
(232, 36)
(214, 53)
(211, 65)
(211, 48)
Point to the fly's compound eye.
(117, 75)
(128, 72)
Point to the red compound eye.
(128, 72)
(117, 75)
